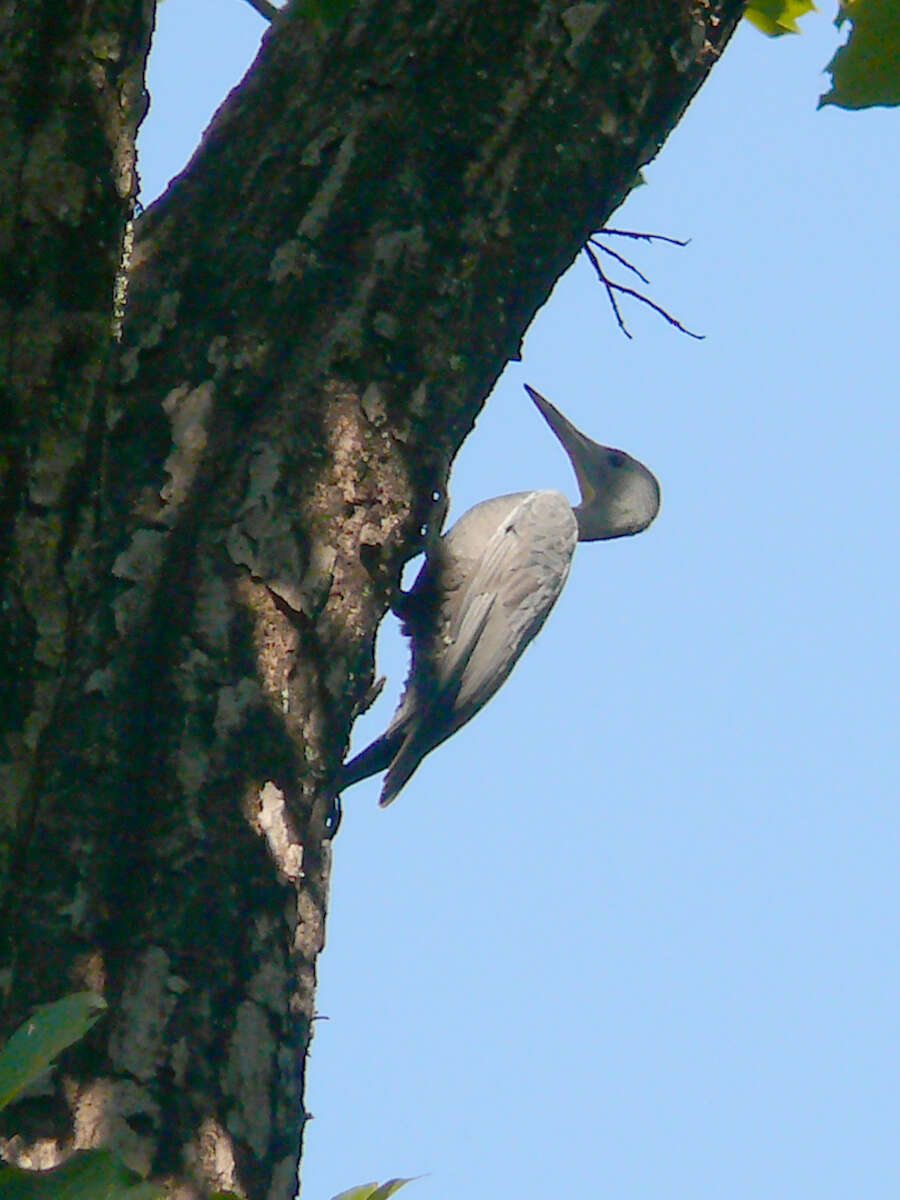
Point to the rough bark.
(198, 553)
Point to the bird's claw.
(440, 503)
(402, 604)
(333, 819)
(363, 705)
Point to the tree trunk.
(202, 531)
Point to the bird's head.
(619, 495)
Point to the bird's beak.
(619, 495)
(578, 447)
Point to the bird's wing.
(517, 580)
(418, 730)
(488, 617)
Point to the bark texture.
(198, 552)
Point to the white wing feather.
(497, 598)
(517, 581)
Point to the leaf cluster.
(865, 71)
(88, 1174)
(26, 1057)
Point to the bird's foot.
(433, 528)
(363, 705)
(402, 603)
(333, 819)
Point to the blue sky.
(633, 932)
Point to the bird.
(486, 588)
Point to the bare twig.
(592, 245)
(644, 237)
(264, 8)
(620, 258)
(609, 287)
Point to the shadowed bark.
(202, 526)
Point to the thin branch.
(620, 258)
(264, 8)
(644, 237)
(609, 288)
(590, 248)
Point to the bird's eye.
(617, 458)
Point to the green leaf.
(46, 1033)
(388, 1188)
(374, 1191)
(87, 1175)
(866, 71)
(777, 17)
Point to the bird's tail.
(405, 760)
(376, 757)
